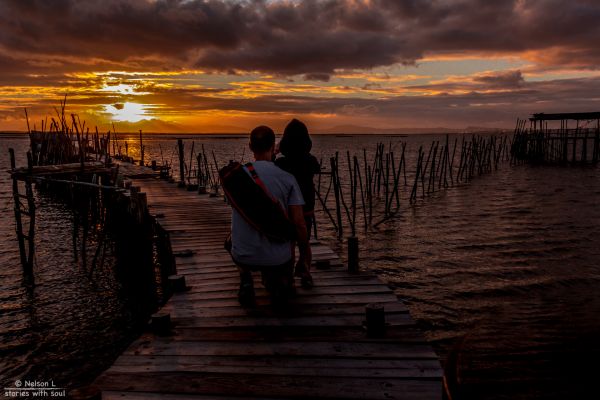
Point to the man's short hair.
(262, 138)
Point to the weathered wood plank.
(358, 298)
(394, 333)
(295, 387)
(358, 368)
(233, 282)
(315, 320)
(120, 395)
(220, 291)
(168, 346)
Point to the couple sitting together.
(273, 208)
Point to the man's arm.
(296, 214)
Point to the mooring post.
(17, 209)
(596, 143)
(202, 182)
(574, 156)
(336, 192)
(31, 214)
(141, 149)
(323, 264)
(584, 148)
(161, 323)
(181, 163)
(375, 320)
(142, 202)
(177, 283)
(353, 264)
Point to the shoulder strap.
(259, 181)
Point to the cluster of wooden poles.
(374, 186)
(367, 188)
(66, 140)
(199, 172)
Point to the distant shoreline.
(233, 135)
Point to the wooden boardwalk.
(317, 349)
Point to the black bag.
(248, 195)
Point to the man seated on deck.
(251, 250)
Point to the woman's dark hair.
(262, 138)
(295, 140)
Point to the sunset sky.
(226, 66)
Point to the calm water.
(502, 274)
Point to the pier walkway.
(318, 349)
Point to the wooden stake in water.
(141, 149)
(336, 192)
(181, 163)
(353, 263)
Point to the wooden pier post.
(574, 155)
(161, 323)
(141, 150)
(181, 163)
(17, 209)
(336, 192)
(200, 175)
(596, 143)
(375, 320)
(31, 214)
(177, 283)
(353, 260)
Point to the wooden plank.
(267, 311)
(324, 320)
(121, 395)
(406, 368)
(232, 282)
(315, 299)
(168, 346)
(294, 387)
(292, 310)
(221, 291)
(394, 333)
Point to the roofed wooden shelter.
(575, 141)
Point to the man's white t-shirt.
(251, 247)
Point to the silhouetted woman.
(295, 146)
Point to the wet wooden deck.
(317, 349)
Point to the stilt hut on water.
(558, 138)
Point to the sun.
(126, 112)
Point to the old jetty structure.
(564, 138)
(349, 337)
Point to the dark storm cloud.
(505, 80)
(291, 37)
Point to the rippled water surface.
(502, 274)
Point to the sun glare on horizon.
(126, 112)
